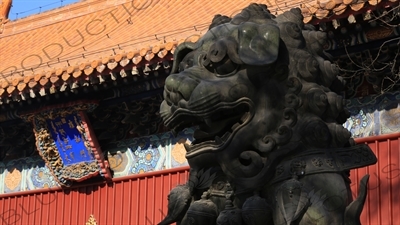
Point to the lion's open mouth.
(215, 127)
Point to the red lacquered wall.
(139, 199)
(382, 206)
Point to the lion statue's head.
(258, 88)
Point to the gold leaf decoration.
(91, 220)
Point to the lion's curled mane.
(314, 102)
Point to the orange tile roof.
(323, 10)
(81, 40)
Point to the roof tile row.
(324, 9)
(45, 51)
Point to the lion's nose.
(180, 84)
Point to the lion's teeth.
(236, 125)
(218, 140)
(225, 136)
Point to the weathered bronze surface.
(270, 147)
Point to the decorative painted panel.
(68, 136)
(39, 176)
(134, 156)
(66, 143)
(151, 153)
(13, 178)
(25, 174)
(374, 115)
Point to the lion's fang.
(245, 117)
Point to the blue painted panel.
(69, 140)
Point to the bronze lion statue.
(269, 146)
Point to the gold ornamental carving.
(91, 220)
(63, 141)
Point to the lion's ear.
(180, 52)
(258, 45)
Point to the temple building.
(81, 138)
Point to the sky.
(24, 8)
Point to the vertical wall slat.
(86, 199)
(113, 203)
(390, 155)
(130, 198)
(137, 206)
(98, 211)
(153, 194)
(160, 210)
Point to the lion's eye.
(186, 62)
(226, 67)
(218, 61)
(222, 68)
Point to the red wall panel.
(142, 199)
(383, 200)
(139, 199)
